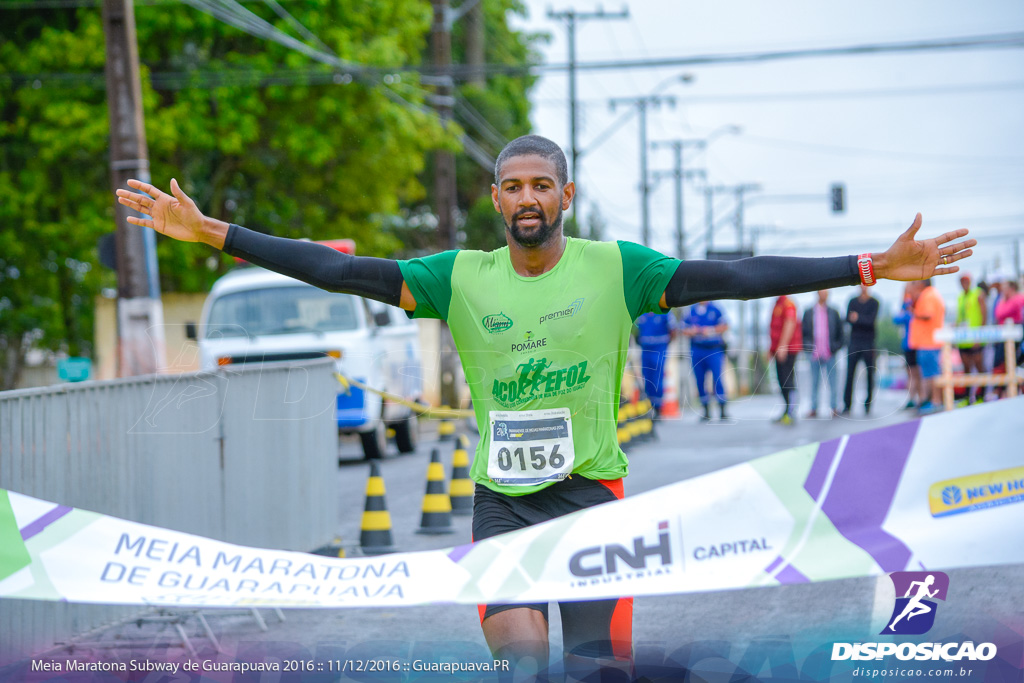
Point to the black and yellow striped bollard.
(375, 532)
(446, 427)
(461, 489)
(437, 506)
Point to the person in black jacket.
(823, 337)
(861, 313)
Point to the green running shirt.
(557, 340)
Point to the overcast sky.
(936, 132)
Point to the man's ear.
(494, 198)
(568, 192)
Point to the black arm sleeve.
(319, 265)
(757, 277)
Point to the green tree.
(255, 132)
(491, 111)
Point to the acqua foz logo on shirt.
(913, 614)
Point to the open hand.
(174, 215)
(909, 259)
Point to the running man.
(540, 273)
(914, 606)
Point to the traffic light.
(838, 198)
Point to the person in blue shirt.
(704, 325)
(654, 332)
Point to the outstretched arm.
(177, 216)
(763, 276)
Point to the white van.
(255, 315)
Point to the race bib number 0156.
(530, 446)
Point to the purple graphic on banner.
(862, 491)
(819, 468)
(791, 575)
(46, 520)
(459, 552)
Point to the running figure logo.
(914, 613)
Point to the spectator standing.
(823, 337)
(785, 344)
(991, 301)
(654, 332)
(914, 395)
(971, 312)
(1009, 309)
(929, 314)
(704, 325)
(861, 313)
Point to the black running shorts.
(594, 627)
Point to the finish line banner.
(940, 492)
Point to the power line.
(992, 41)
(824, 94)
(232, 13)
(923, 157)
(73, 4)
(465, 72)
(297, 25)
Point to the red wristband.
(866, 270)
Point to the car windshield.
(281, 310)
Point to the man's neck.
(534, 261)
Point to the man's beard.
(542, 233)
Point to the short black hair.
(529, 145)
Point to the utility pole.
(139, 310)
(676, 174)
(641, 104)
(571, 16)
(443, 102)
(444, 180)
(475, 39)
(679, 175)
(740, 191)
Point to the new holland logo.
(976, 492)
(496, 323)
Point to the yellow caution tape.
(425, 411)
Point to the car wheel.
(375, 442)
(406, 433)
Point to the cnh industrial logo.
(913, 614)
(615, 559)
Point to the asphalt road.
(770, 632)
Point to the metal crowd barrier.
(246, 454)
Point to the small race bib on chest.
(530, 447)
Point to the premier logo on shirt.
(567, 312)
